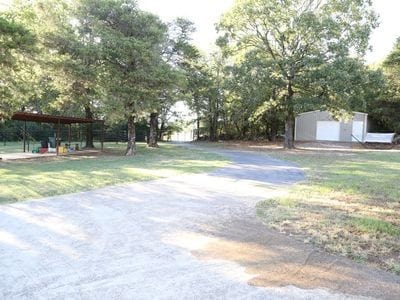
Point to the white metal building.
(320, 126)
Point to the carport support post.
(80, 134)
(69, 135)
(102, 135)
(57, 136)
(24, 136)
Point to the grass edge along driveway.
(349, 204)
(38, 178)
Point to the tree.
(197, 83)
(132, 42)
(387, 109)
(66, 75)
(297, 37)
(251, 109)
(40, 17)
(204, 89)
(16, 53)
(79, 59)
(171, 82)
(215, 94)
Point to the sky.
(206, 13)
(384, 37)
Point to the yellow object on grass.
(62, 150)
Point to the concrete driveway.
(189, 237)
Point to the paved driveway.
(189, 237)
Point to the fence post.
(24, 136)
(57, 136)
(69, 135)
(102, 135)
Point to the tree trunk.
(289, 132)
(243, 134)
(289, 122)
(273, 123)
(152, 141)
(161, 131)
(272, 129)
(211, 132)
(131, 147)
(213, 128)
(198, 127)
(273, 132)
(89, 128)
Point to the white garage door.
(358, 131)
(328, 131)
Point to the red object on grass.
(43, 150)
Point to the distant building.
(185, 135)
(320, 126)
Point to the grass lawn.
(11, 147)
(17, 147)
(48, 176)
(349, 204)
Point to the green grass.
(371, 225)
(349, 204)
(21, 180)
(17, 147)
(12, 147)
(371, 175)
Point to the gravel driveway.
(189, 237)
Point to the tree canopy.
(387, 109)
(17, 48)
(276, 58)
(302, 41)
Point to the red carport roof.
(42, 118)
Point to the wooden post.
(57, 136)
(80, 135)
(24, 136)
(69, 135)
(102, 135)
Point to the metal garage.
(320, 126)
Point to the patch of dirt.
(273, 259)
(333, 229)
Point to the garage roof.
(43, 118)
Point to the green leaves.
(302, 48)
(386, 107)
(297, 35)
(17, 47)
(15, 36)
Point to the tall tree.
(79, 60)
(251, 109)
(41, 17)
(132, 43)
(387, 109)
(197, 83)
(204, 89)
(171, 82)
(16, 54)
(66, 76)
(214, 94)
(297, 37)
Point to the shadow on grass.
(35, 179)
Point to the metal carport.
(57, 120)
